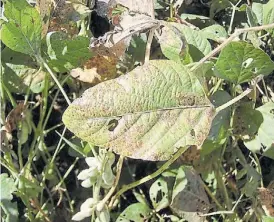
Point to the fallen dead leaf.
(114, 43)
(97, 69)
(14, 117)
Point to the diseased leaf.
(189, 197)
(63, 54)
(135, 213)
(158, 194)
(66, 15)
(147, 114)
(263, 142)
(115, 42)
(95, 70)
(240, 62)
(22, 32)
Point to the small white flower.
(93, 162)
(88, 182)
(87, 173)
(86, 210)
(81, 215)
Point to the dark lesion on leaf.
(112, 124)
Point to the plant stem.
(101, 204)
(149, 177)
(148, 46)
(42, 61)
(234, 100)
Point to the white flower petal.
(88, 204)
(87, 173)
(92, 162)
(81, 215)
(87, 183)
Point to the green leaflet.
(147, 114)
(63, 53)
(240, 62)
(22, 32)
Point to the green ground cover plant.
(135, 111)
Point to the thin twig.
(234, 100)
(228, 40)
(148, 46)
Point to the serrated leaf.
(198, 45)
(240, 62)
(158, 194)
(188, 196)
(22, 32)
(18, 70)
(263, 142)
(63, 53)
(147, 114)
(135, 213)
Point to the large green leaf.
(63, 53)
(263, 142)
(22, 32)
(147, 114)
(240, 62)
